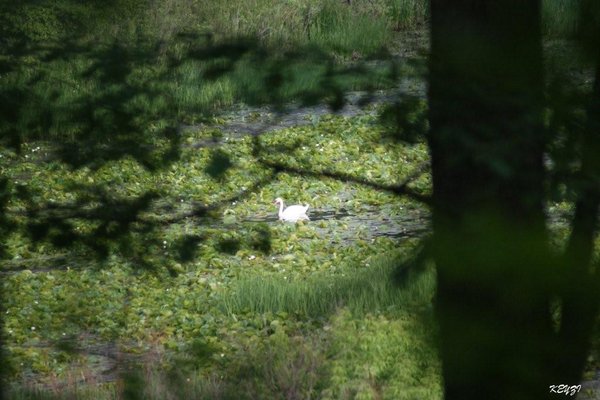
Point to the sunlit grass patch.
(345, 30)
(377, 357)
(408, 14)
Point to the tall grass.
(78, 93)
(408, 14)
(362, 26)
(367, 290)
(51, 98)
(346, 29)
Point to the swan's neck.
(280, 209)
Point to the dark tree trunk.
(487, 141)
(581, 291)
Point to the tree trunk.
(487, 141)
(581, 292)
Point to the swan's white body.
(292, 213)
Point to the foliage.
(122, 231)
(489, 139)
(112, 300)
(374, 350)
(361, 26)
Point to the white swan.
(292, 213)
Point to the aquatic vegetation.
(182, 281)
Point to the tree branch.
(401, 189)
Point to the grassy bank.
(360, 25)
(303, 50)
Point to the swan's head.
(278, 201)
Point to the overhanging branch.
(401, 189)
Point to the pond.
(121, 316)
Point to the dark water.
(364, 224)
